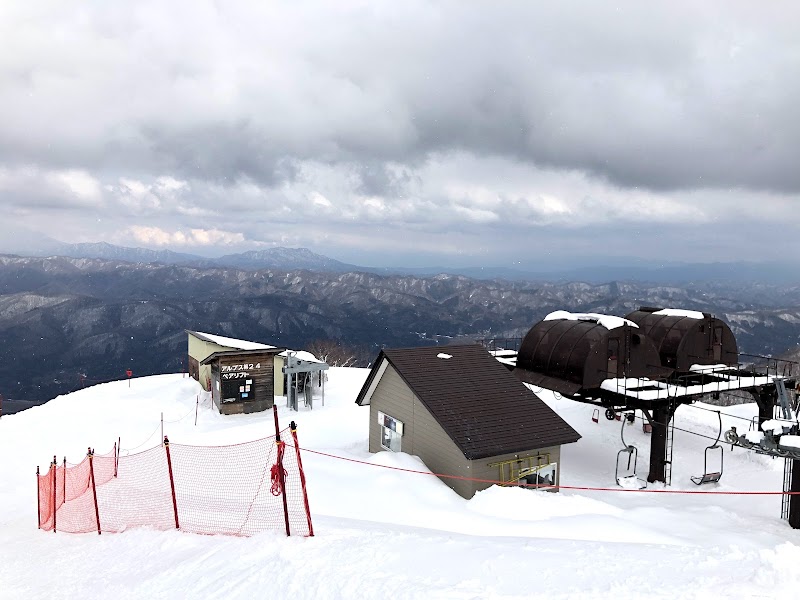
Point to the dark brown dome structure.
(685, 338)
(581, 351)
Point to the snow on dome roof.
(679, 312)
(233, 343)
(607, 321)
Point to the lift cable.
(677, 428)
(720, 412)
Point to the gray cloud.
(448, 121)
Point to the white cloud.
(78, 183)
(31, 187)
(155, 236)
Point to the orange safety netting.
(202, 489)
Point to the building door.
(717, 343)
(613, 358)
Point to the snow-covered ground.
(389, 534)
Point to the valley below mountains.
(68, 322)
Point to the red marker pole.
(90, 454)
(172, 484)
(281, 475)
(53, 483)
(38, 499)
(129, 373)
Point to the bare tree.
(334, 353)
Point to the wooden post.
(281, 475)
(90, 454)
(172, 484)
(293, 427)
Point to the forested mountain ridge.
(61, 318)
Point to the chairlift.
(715, 476)
(628, 479)
(596, 415)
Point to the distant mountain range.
(304, 259)
(67, 322)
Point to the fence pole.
(293, 427)
(38, 500)
(90, 454)
(196, 407)
(281, 475)
(53, 481)
(116, 455)
(65, 479)
(172, 483)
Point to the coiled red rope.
(275, 472)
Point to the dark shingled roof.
(484, 409)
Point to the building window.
(528, 471)
(391, 432)
(544, 475)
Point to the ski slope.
(389, 534)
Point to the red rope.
(276, 471)
(554, 487)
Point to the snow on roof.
(510, 362)
(302, 355)
(779, 424)
(649, 389)
(502, 352)
(607, 321)
(232, 342)
(710, 368)
(679, 312)
(506, 357)
(444, 356)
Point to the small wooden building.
(685, 338)
(568, 352)
(242, 381)
(202, 345)
(463, 414)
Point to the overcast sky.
(406, 133)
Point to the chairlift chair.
(596, 415)
(714, 476)
(629, 479)
(647, 426)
